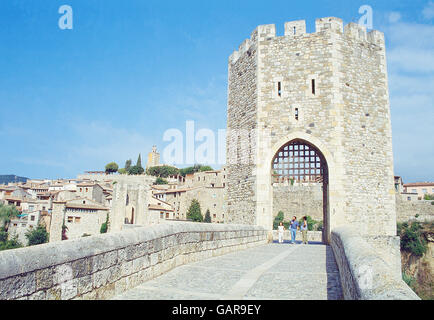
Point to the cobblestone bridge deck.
(274, 271)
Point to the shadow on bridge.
(325, 259)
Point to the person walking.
(294, 228)
(281, 229)
(304, 229)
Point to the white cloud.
(394, 17)
(201, 102)
(102, 143)
(410, 58)
(428, 11)
(410, 35)
(90, 146)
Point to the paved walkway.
(270, 272)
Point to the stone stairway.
(269, 272)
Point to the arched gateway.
(300, 162)
(324, 93)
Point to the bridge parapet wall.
(364, 274)
(102, 266)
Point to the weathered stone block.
(82, 267)
(104, 261)
(39, 295)
(106, 292)
(100, 278)
(54, 293)
(69, 290)
(19, 286)
(45, 278)
(84, 285)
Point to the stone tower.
(328, 90)
(153, 158)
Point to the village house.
(92, 191)
(420, 188)
(81, 217)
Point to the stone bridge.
(199, 261)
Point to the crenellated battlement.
(329, 23)
(297, 28)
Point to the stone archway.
(290, 162)
(250, 190)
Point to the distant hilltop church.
(153, 158)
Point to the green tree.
(122, 171)
(104, 226)
(412, 239)
(160, 181)
(135, 170)
(112, 167)
(207, 217)
(194, 212)
(162, 171)
(128, 164)
(3, 235)
(429, 197)
(278, 219)
(7, 213)
(185, 171)
(37, 236)
(194, 169)
(10, 244)
(205, 168)
(139, 161)
(6, 244)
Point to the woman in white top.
(281, 229)
(304, 229)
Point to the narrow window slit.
(279, 89)
(313, 87)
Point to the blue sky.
(74, 100)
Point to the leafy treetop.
(194, 212)
(37, 236)
(112, 167)
(162, 171)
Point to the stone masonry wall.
(408, 210)
(102, 266)
(367, 135)
(347, 117)
(242, 100)
(364, 274)
(299, 201)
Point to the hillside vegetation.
(417, 252)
